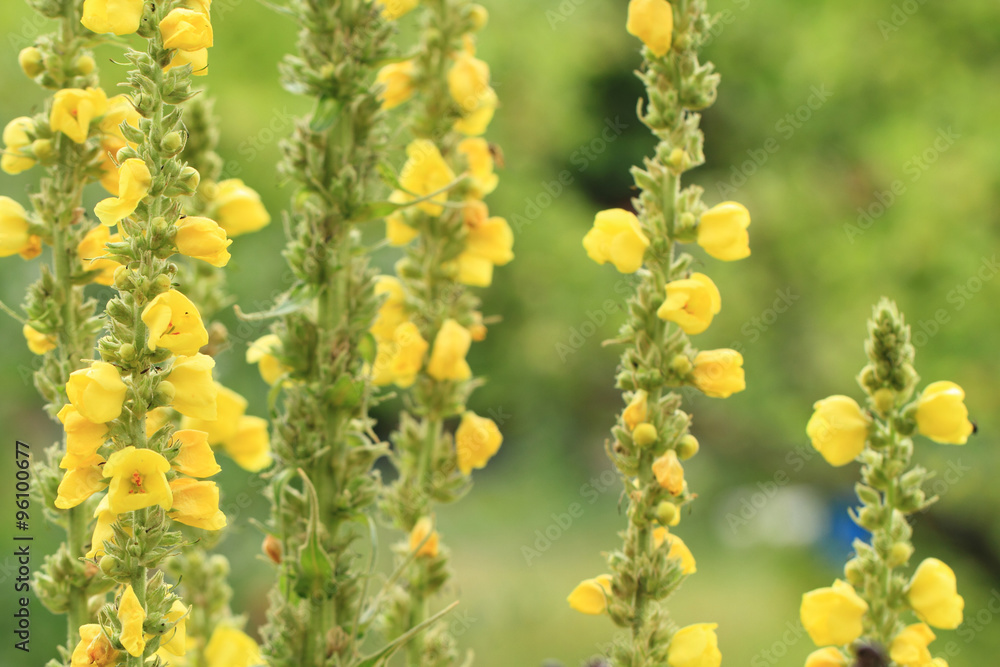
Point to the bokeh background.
(825, 108)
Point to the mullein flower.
(396, 80)
(722, 231)
(263, 352)
(933, 595)
(393, 9)
(78, 484)
(132, 615)
(489, 242)
(451, 346)
(16, 139)
(230, 408)
(691, 303)
(74, 109)
(196, 503)
(719, 373)
(202, 238)
(833, 615)
(174, 323)
(392, 312)
(424, 173)
(397, 231)
(198, 60)
(591, 595)
(138, 480)
(826, 657)
(250, 446)
(14, 230)
(186, 30)
(134, 181)
(97, 392)
(839, 429)
(407, 357)
(119, 17)
(176, 641)
(669, 472)
(677, 549)
(38, 342)
(652, 21)
(479, 157)
(83, 439)
(468, 81)
(637, 410)
(424, 539)
(92, 250)
(195, 457)
(119, 110)
(195, 391)
(695, 646)
(228, 647)
(909, 648)
(617, 238)
(94, 649)
(941, 414)
(475, 122)
(477, 440)
(236, 207)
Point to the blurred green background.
(825, 108)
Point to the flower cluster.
(652, 439)
(872, 603)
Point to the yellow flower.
(637, 410)
(678, 549)
(424, 529)
(97, 392)
(669, 472)
(616, 238)
(719, 373)
(198, 60)
(393, 9)
(175, 640)
(138, 480)
(195, 392)
(237, 207)
(73, 109)
(38, 342)
(103, 531)
(196, 504)
(397, 232)
(934, 595)
(91, 251)
(77, 485)
(722, 231)
(120, 110)
(480, 160)
(195, 457)
(591, 595)
(120, 17)
(477, 440)
(475, 122)
(909, 647)
(408, 356)
(691, 303)
(134, 181)
(230, 408)
(83, 439)
(448, 356)
(942, 415)
(396, 80)
(468, 81)
(263, 353)
(14, 236)
(826, 657)
(833, 616)
(174, 323)
(652, 21)
(132, 616)
(110, 146)
(156, 419)
(838, 429)
(94, 649)
(15, 138)
(250, 447)
(187, 30)
(489, 243)
(695, 646)
(425, 172)
(202, 238)
(228, 647)
(392, 312)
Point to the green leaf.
(345, 392)
(315, 569)
(327, 111)
(389, 176)
(383, 655)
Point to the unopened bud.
(190, 178)
(854, 573)
(272, 548)
(84, 65)
(161, 284)
(126, 351)
(42, 148)
(644, 434)
(31, 61)
(479, 16)
(681, 364)
(122, 280)
(687, 447)
(668, 514)
(165, 393)
(108, 564)
(885, 400)
(172, 143)
(899, 554)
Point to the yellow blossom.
(468, 81)
(38, 342)
(397, 232)
(138, 480)
(94, 649)
(196, 504)
(691, 303)
(91, 251)
(15, 139)
(669, 472)
(77, 485)
(396, 80)
(197, 59)
(393, 9)
(134, 181)
(424, 530)
(695, 646)
(120, 110)
(475, 122)
(236, 207)
(677, 549)
(263, 352)
(110, 145)
(174, 323)
(652, 21)
(14, 236)
(73, 110)
(826, 657)
(451, 345)
(120, 17)
(942, 415)
(195, 457)
(83, 439)
(175, 640)
(103, 530)
(637, 409)
(195, 392)
(187, 30)
(97, 392)
(834, 615)
(156, 419)
(722, 231)
(617, 238)
(909, 647)
(477, 440)
(392, 312)
(719, 373)
(425, 172)
(933, 594)
(230, 408)
(489, 243)
(132, 616)
(479, 157)
(591, 595)
(409, 349)
(203, 238)
(250, 446)
(228, 647)
(838, 429)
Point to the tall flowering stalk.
(880, 615)
(671, 303)
(429, 318)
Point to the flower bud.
(108, 564)
(272, 548)
(84, 65)
(165, 393)
(479, 17)
(161, 284)
(668, 514)
(681, 364)
(126, 352)
(42, 148)
(31, 61)
(687, 447)
(190, 178)
(899, 554)
(885, 400)
(854, 573)
(172, 143)
(122, 278)
(644, 434)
